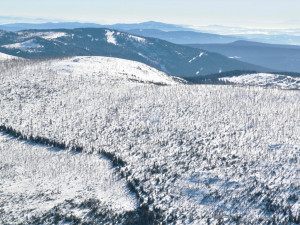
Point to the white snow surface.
(110, 37)
(4, 56)
(35, 178)
(198, 56)
(52, 35)
(29, 45)
(265, 79)
(109, 69)
(136, 38)
(200, 152)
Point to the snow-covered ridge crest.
(110, 69)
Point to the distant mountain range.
(177, 60)
(218, 34)
(73, 25)
(184, 37)
(278, 57)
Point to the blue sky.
(250, 13)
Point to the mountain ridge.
(279, 57)
(177, 60)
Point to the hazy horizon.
(255, 14)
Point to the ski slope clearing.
(35, 179)
(265, 79)
(196, 154)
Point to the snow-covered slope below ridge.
(265, 79)
(112, 70)
(4, 56)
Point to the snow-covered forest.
(195, 154)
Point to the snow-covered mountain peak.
(108, 69)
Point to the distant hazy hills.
(173, 33)
(278, 57)
(73, 25)
(184, 37)
(174, 59)
(218, 34)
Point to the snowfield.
(4, 56)
(265, 79)
(52, 35)
(29, 46)
(196, 154)
(110, 37)
(112, 70)
(35, 179)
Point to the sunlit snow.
(4, 56)
(199, 56)
(110, 37)
(265, 79)
(25, 46)
(35, 178)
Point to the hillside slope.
(4, 56)
(173, 59)
(196, 154)
(278, 57)
(184, 37)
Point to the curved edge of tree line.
(142, 215)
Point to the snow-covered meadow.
(196, 153)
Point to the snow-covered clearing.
(110, 37)
(35, 179)
(29, 45)
(4, 56)
(196, 57)
(195, 153)
(52, 35)
(266, 79)
(136, 38)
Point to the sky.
(246, 13)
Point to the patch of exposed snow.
(234, 57)
(110, 37)
(199, 56)
(25, 46)
(199, 71)
(53, 35)
(138, 39)
(265, 79)
(4, 56)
